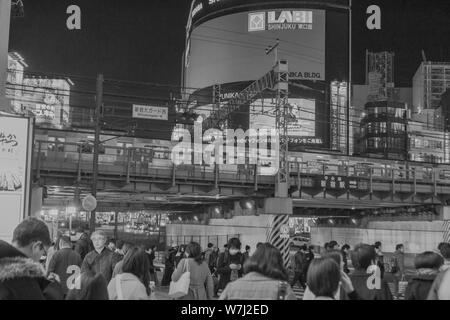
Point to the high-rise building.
(380, 75)
(431, 81)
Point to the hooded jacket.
(23, 279)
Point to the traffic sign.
(89, 203)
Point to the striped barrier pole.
(275, 236)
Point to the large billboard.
(232, 48)
(301, 120)
(15, 172)
(47, 99)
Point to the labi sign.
(280, 20)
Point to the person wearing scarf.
(427, 266)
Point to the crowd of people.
(94, 268)
(97, 268)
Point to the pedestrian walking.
(397, 267)
(169, 265)
(229, 265)
(111, 245)
(345, 250)
(201, 286)
(300, 263)
(427, 266)
(246, 253)
(345, 290)
(101, 259)
(125, 246)
(83, 246)
(180, 254)
(325, 278)
(64, 263)
(265, 278)
(379, 260)
(363, 256)
(151, 258)
(134, 281)
(51, 251)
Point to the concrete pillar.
(278, 237)
(280, 209)
(5, 15)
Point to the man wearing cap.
(65, 262)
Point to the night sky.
(143, 40)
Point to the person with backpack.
(397, 267)
(230, 263)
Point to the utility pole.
(98, 107)
(274, 48)
(349, 99)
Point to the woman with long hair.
(265, 278)
(201, 285)
(134, 281)
(89, 286)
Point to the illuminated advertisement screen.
(15, 165)
(232, 48)
(47, 99)
(301, 120)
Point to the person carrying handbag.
(201, 285)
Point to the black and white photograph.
(201, 153)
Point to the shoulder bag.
(180, 288)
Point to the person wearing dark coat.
(101, 259)
(169, 266)
(300, 267)
(427, 265)
(230, 264)
(345, 249)
(64, 262)
(22, 277)
(363, 257)
(83, 246)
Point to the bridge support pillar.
(280, 210)
(446, 224)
